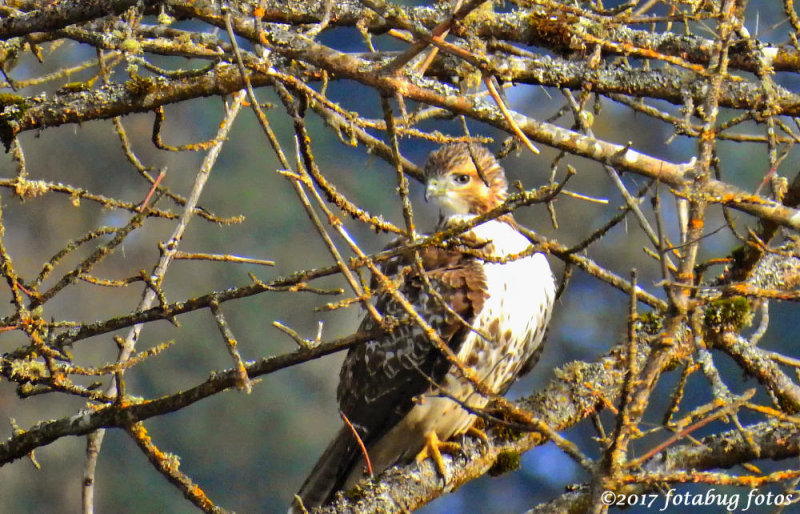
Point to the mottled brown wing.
(380, 378)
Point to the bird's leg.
(433, 449)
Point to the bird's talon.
(478, 434)
(433, 449)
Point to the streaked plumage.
(391, 388)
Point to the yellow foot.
(476, 432)
(433, 449)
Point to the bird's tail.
(329, 474)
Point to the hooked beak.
(434, 188)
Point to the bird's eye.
(462, 179)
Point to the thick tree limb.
(767, 440)
(57, 15)
(117, 100)
(679, 176)
(539, 25)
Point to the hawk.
(487, 298)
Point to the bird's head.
(452, 180)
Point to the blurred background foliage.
(251, 452)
